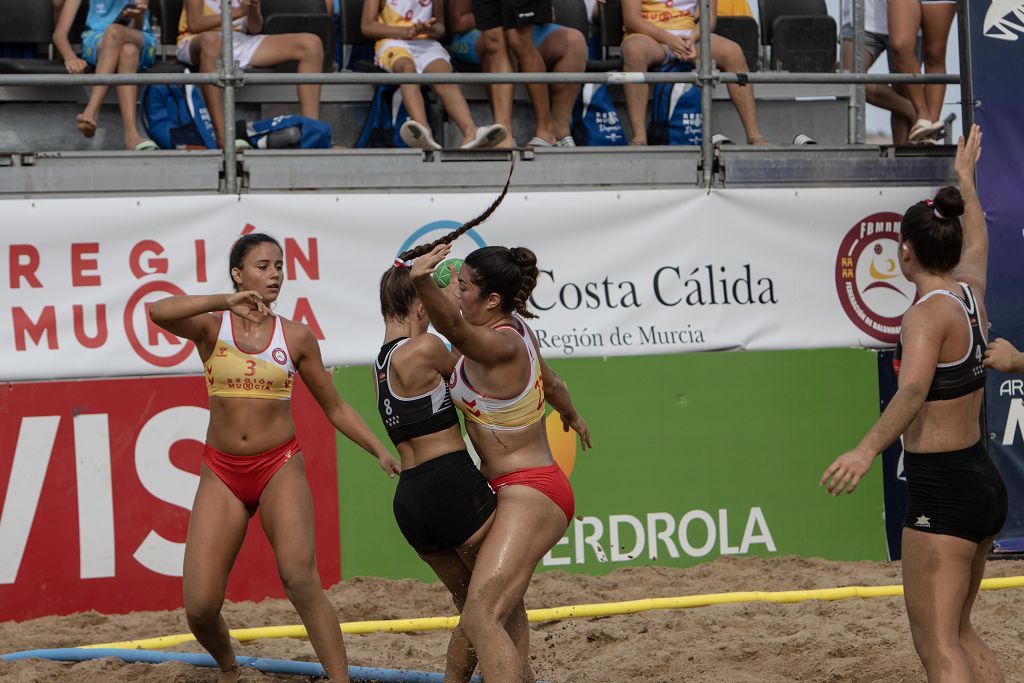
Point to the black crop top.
(407, 418)
(953, 380)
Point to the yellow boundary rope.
(606, 609)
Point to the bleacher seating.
(800, 33)
(744, 32)
(609, 30)
(352, 36)
(300, 16)
(30, 23)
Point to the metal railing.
(229, 77)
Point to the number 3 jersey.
(233, 373)
(407, 418)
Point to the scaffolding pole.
(227, 80)
(707, 85)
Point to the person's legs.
(494, 59)
(127, 95)
(204, 51)
(453, 101)
(904, 22)
(639, 52)
(216, 529)
(520, 41)
(412, 96)
(526, 525)
(936, 19)
(286, 512)
(984, 665)
(308, 51)
(937, 572)
(565, 50)
(883, 95)
(109, 60)
(729, 57)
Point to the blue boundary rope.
(276, 666)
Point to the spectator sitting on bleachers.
(660, 30)
(117, 38)
(199, 45)
(876, 41)
(407, 32)
(563, 49)
(508, 25)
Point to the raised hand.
(968, 152)
(249, 305)
(424, 265)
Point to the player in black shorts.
(443, 504)
(956, 501)
(511, 22)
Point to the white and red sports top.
(521, 411)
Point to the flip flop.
(415, 134)
(86, 126)
(487, 136)
(538, 142)
(147, 146)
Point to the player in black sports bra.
(956, 500)
(443, 504)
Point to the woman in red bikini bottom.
(500, 383)
(252, 460)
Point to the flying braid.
(404, 259)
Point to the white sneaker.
(924, 129)
(802, 139)
(487, 136)
(720, 139)
(415, 134)
(567, 141)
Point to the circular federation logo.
(280, 357)
(869, 282)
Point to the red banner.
(97, 479)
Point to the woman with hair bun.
(252, 461)
(500, 383)
(956, 500)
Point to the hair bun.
(949, 202)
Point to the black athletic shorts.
(439, 504)
(955, 493)
(511, 13)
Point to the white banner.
(622, 273)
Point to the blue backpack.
(175, 115)
(306, 133)
(387, 114)
(675, 110)
(595, 122)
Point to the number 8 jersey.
(407, 418)
(233, 373)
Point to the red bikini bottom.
(550, 480)
(248, 475)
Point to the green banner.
(695, 456)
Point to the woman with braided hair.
(956, 500)
(500, 382)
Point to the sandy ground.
(849, 640)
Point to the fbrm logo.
(869, 282)
(1004, 20)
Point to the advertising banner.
(695, 456)
(96, 482)
(621, 273)
(997, 41)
